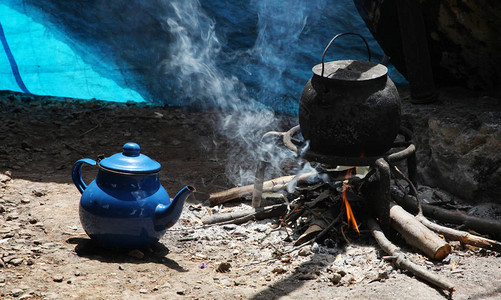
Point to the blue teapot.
(126, 207)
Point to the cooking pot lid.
(130, 161)
(351, 70)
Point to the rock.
(7, 259)
(458, 141)
(261, 228)
(383, 274)
(38, 193)
(181, 292)
(4, 178)
(16, 261)
(201, 256)
(304, 251)
(11, 217)
(286, 259)
(224, 267)
(279, 270)
(58, 278)
(144, 291)
(347, 279)
(336, 278)
(167, 286)
(16, 292)
(229, 227)
(333, 251)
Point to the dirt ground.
(45, 254)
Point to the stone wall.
(458, 142)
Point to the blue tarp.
(35, 61)
(175, 52)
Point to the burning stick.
(346, 204)
(403, 262)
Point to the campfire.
(346, 195)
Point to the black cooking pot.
(349, 107)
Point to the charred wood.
(480, 225)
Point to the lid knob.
(131, 149)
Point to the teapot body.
(118, 210)
(126, 207)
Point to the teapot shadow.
(156, 253)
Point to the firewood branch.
(462, 236)
(247, 215)
(273, 185)
(449, 233)
(418, 235)
(402, 262)
(481, 225)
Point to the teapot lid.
(351, 70)
(130, 161)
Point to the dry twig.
(402, 262)
(246, 215)
(462, 236)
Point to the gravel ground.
(45, 254)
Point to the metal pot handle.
(344, 33)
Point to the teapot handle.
(77, 173)
(344, 33)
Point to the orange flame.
(349, 213)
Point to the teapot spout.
(167, 215)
